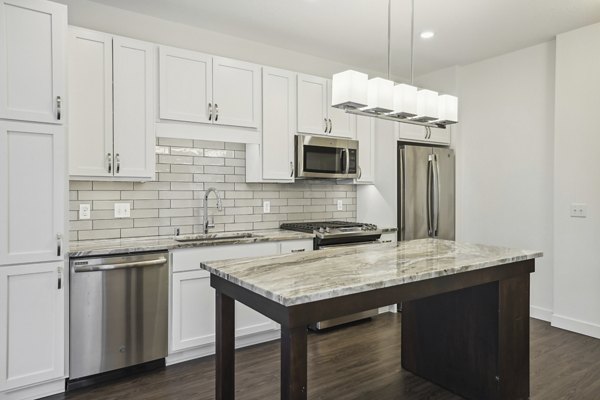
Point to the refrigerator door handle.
(402, 199)
(429, 195)
(436, 194)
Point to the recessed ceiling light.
(427, 34)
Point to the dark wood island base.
(467, 332)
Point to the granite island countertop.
(103, 247)
(305, 277)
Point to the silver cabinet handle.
(326, 126)
(59, 272)
(58, 107)
(359, 172)
(109, 267)
(118, 162)
(291, 169)
(58, 244)
(216, 112)
(210, 111)
(298, 250)
(330, 125)
(109, 162)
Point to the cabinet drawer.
(190, 259)
(296, 246)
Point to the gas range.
(329, 233)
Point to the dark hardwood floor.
(360, 362)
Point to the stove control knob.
(327, 230)
(321, 230)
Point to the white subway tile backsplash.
(185, 169)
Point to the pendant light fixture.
(355, 93)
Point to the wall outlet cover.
(340, 205)
(84, 211)
(578, 210)
(122, 210)
(266, 207)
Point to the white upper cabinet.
(111, 118)
(134, 140)
(312, 105)
(340, 122)
(236, 93)
(185, 79)
(365, 134)
(31, 325)
(90, 106)
(32, 183)
(415, 133)
(32, 60)
(279, 107)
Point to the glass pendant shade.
(380, 97)
(349, 89)
(447, 109)
(405, 101)
(427, 106)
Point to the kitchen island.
(465, 318)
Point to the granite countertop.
(85, 248)
(305, 277)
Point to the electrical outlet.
(578, 210)
(84, 211)
(266, 207)
(340, 205)
(122, 210)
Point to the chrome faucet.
(205, 224)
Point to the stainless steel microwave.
(326, 157)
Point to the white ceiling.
(355, 31)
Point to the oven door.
(326, 157)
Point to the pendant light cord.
(412, 43)
(389, 37)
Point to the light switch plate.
(578, 210)
(84, 211)
(340, 205)
(122, 210)
(266, 207)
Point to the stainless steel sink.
(212, 236)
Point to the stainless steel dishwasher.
(119, 309)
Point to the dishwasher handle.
(110, 267)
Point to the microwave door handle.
(347, 169)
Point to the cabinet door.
(279, 106)
(340, 122)
(31, 324)
(415, 133)
(365, 134)
(90, 103)
(134, 139)
(185, 79)
(32, 183)
(312, 104)
(32, 66)
(193, 316)
(236, 93)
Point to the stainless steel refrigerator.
(426, 192)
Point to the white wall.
(87, 14)
(504, 149)
(577, 180)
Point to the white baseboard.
(209, 349)
(575, 325)
(540, 313)
(35, 391)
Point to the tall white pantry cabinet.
(32, 198)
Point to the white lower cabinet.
(192, 311)
(32, 323)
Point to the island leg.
(225, 347)
(293, 363)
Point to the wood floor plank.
(359, 362)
